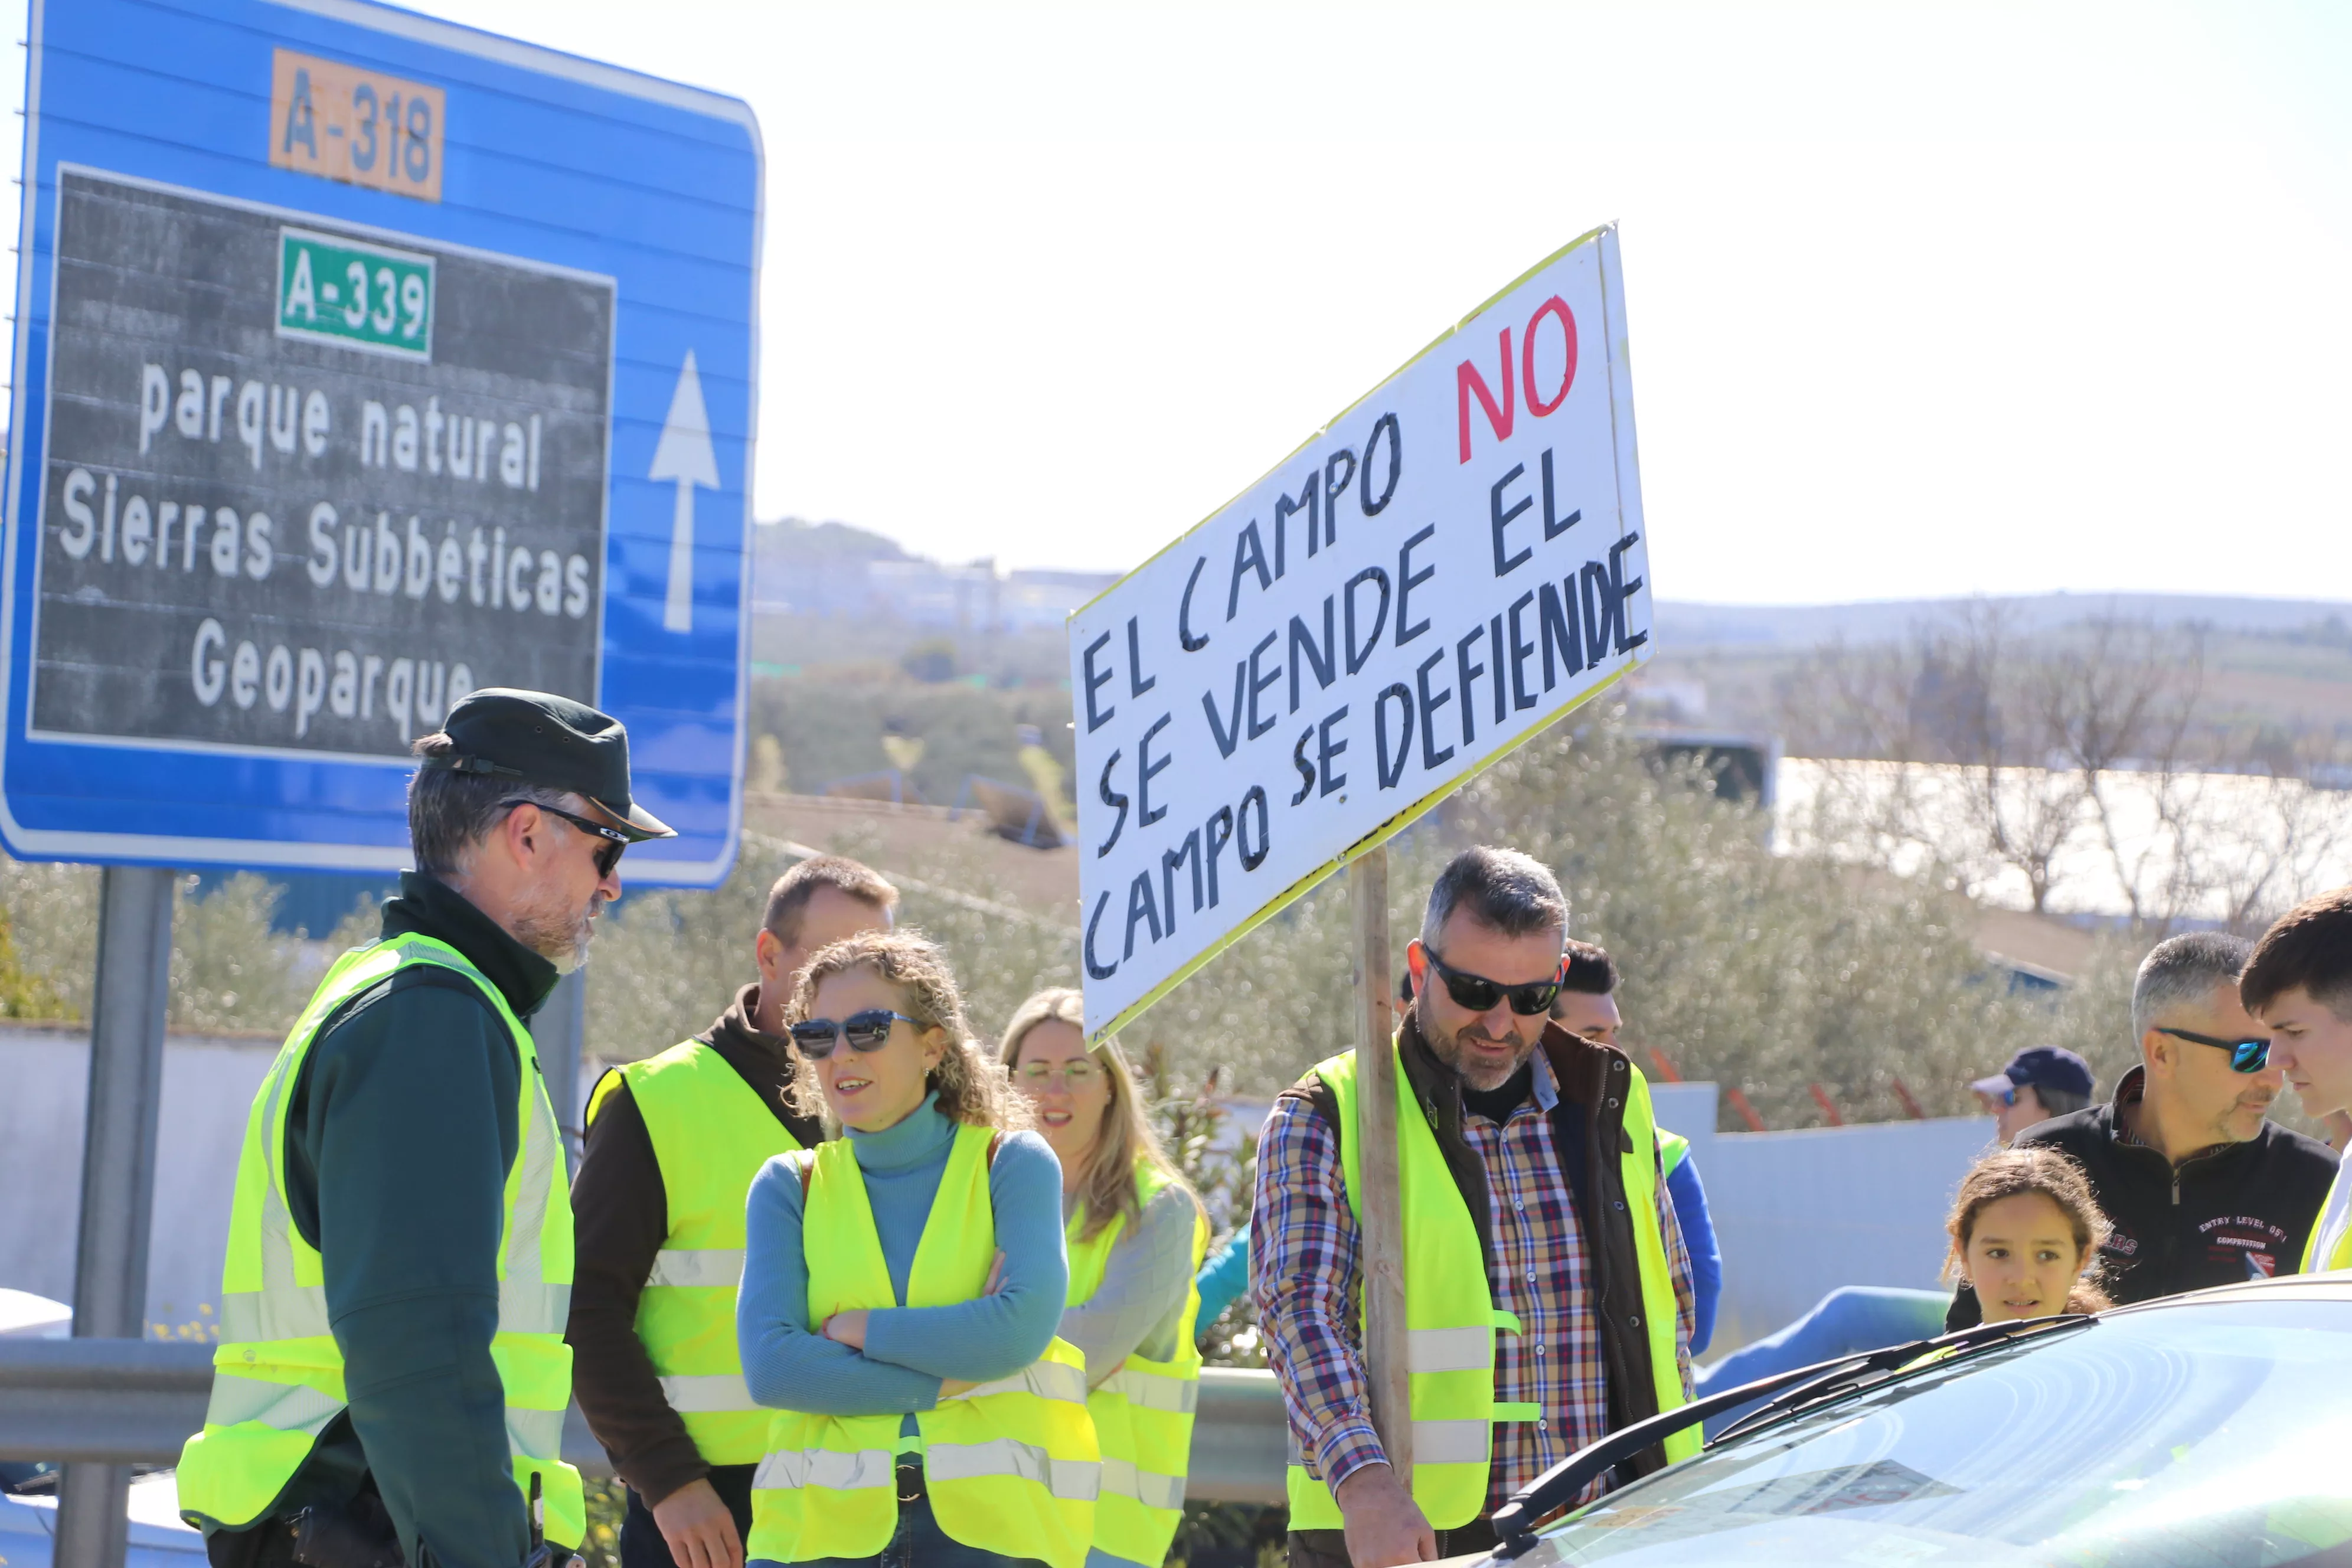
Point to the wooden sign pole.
(1376, 1136)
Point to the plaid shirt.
(1303, 1266)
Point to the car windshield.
(2216, 1435)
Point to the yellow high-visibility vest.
(710, 1133)
(1143, 1412)
(1450, 1315)
(2330, 1247)
(278, 1375)
(1011, 1467)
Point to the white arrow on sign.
(684, 454)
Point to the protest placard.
(1441, 573)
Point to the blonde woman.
(1136, 1234)
(902, 1288)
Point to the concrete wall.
(1799, 1213)
(209, 1086)
(208, 1083)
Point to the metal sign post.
(128, 1013)
(559, 1030)
(1386, 1363)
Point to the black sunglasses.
(1479, 993)
(615, 839)
(2245, 1056)
(866, 1032)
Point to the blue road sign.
(362, 360)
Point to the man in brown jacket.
(673, 1143)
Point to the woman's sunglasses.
(866, 1032)
(1075, 1074)
(1480, 994)
(2245, 1056)
(607, 856)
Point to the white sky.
(1925, 299)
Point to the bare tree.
(2031, 761)
(2117, 703)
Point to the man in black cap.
(2040, 1082)
(392, 1377)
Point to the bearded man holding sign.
(1522, 1214)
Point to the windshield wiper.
(1515, 1522)
(1836, 1382)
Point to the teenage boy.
(2298, 985)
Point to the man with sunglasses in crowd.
(2201, 1188)
(673, 1143)
(391, 1367)
(1546, 1278)
(2039, 1083)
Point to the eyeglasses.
(2006, 1096)
(866, 1032)
(2245, 1056)
(1480, 994)
(1075, 1074)
(608, 856)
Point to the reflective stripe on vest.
(1661, 1312)
(1143, 1412)
(2330, 1247)
(277, 1378)
(710, 1132)
(1450, 1314)
(708, 1268)
(1011, 1467)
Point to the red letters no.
(1555, 306)
(1467, 381)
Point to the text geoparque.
(306, 485)
(1439, 574)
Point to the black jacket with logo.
(2239, 1211)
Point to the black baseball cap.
(2041, 1066)
(536, 737)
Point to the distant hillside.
(2280, 667)
(854, 639)
(1683, 625)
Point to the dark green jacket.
(398, 1142)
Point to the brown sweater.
(620, 1216)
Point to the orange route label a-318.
(363, 127)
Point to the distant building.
(1048, 598)
(832, 569)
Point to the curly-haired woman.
(902, 1289)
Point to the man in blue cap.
(2040, 1082)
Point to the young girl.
(2026, 1232)
(1135, 1235)
(901, 1287)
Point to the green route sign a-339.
(333, 290)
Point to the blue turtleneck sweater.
(910, 1351)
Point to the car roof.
(2334, 1286)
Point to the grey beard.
(1447, 1048)
(558, 937)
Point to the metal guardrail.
(134, 1402)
